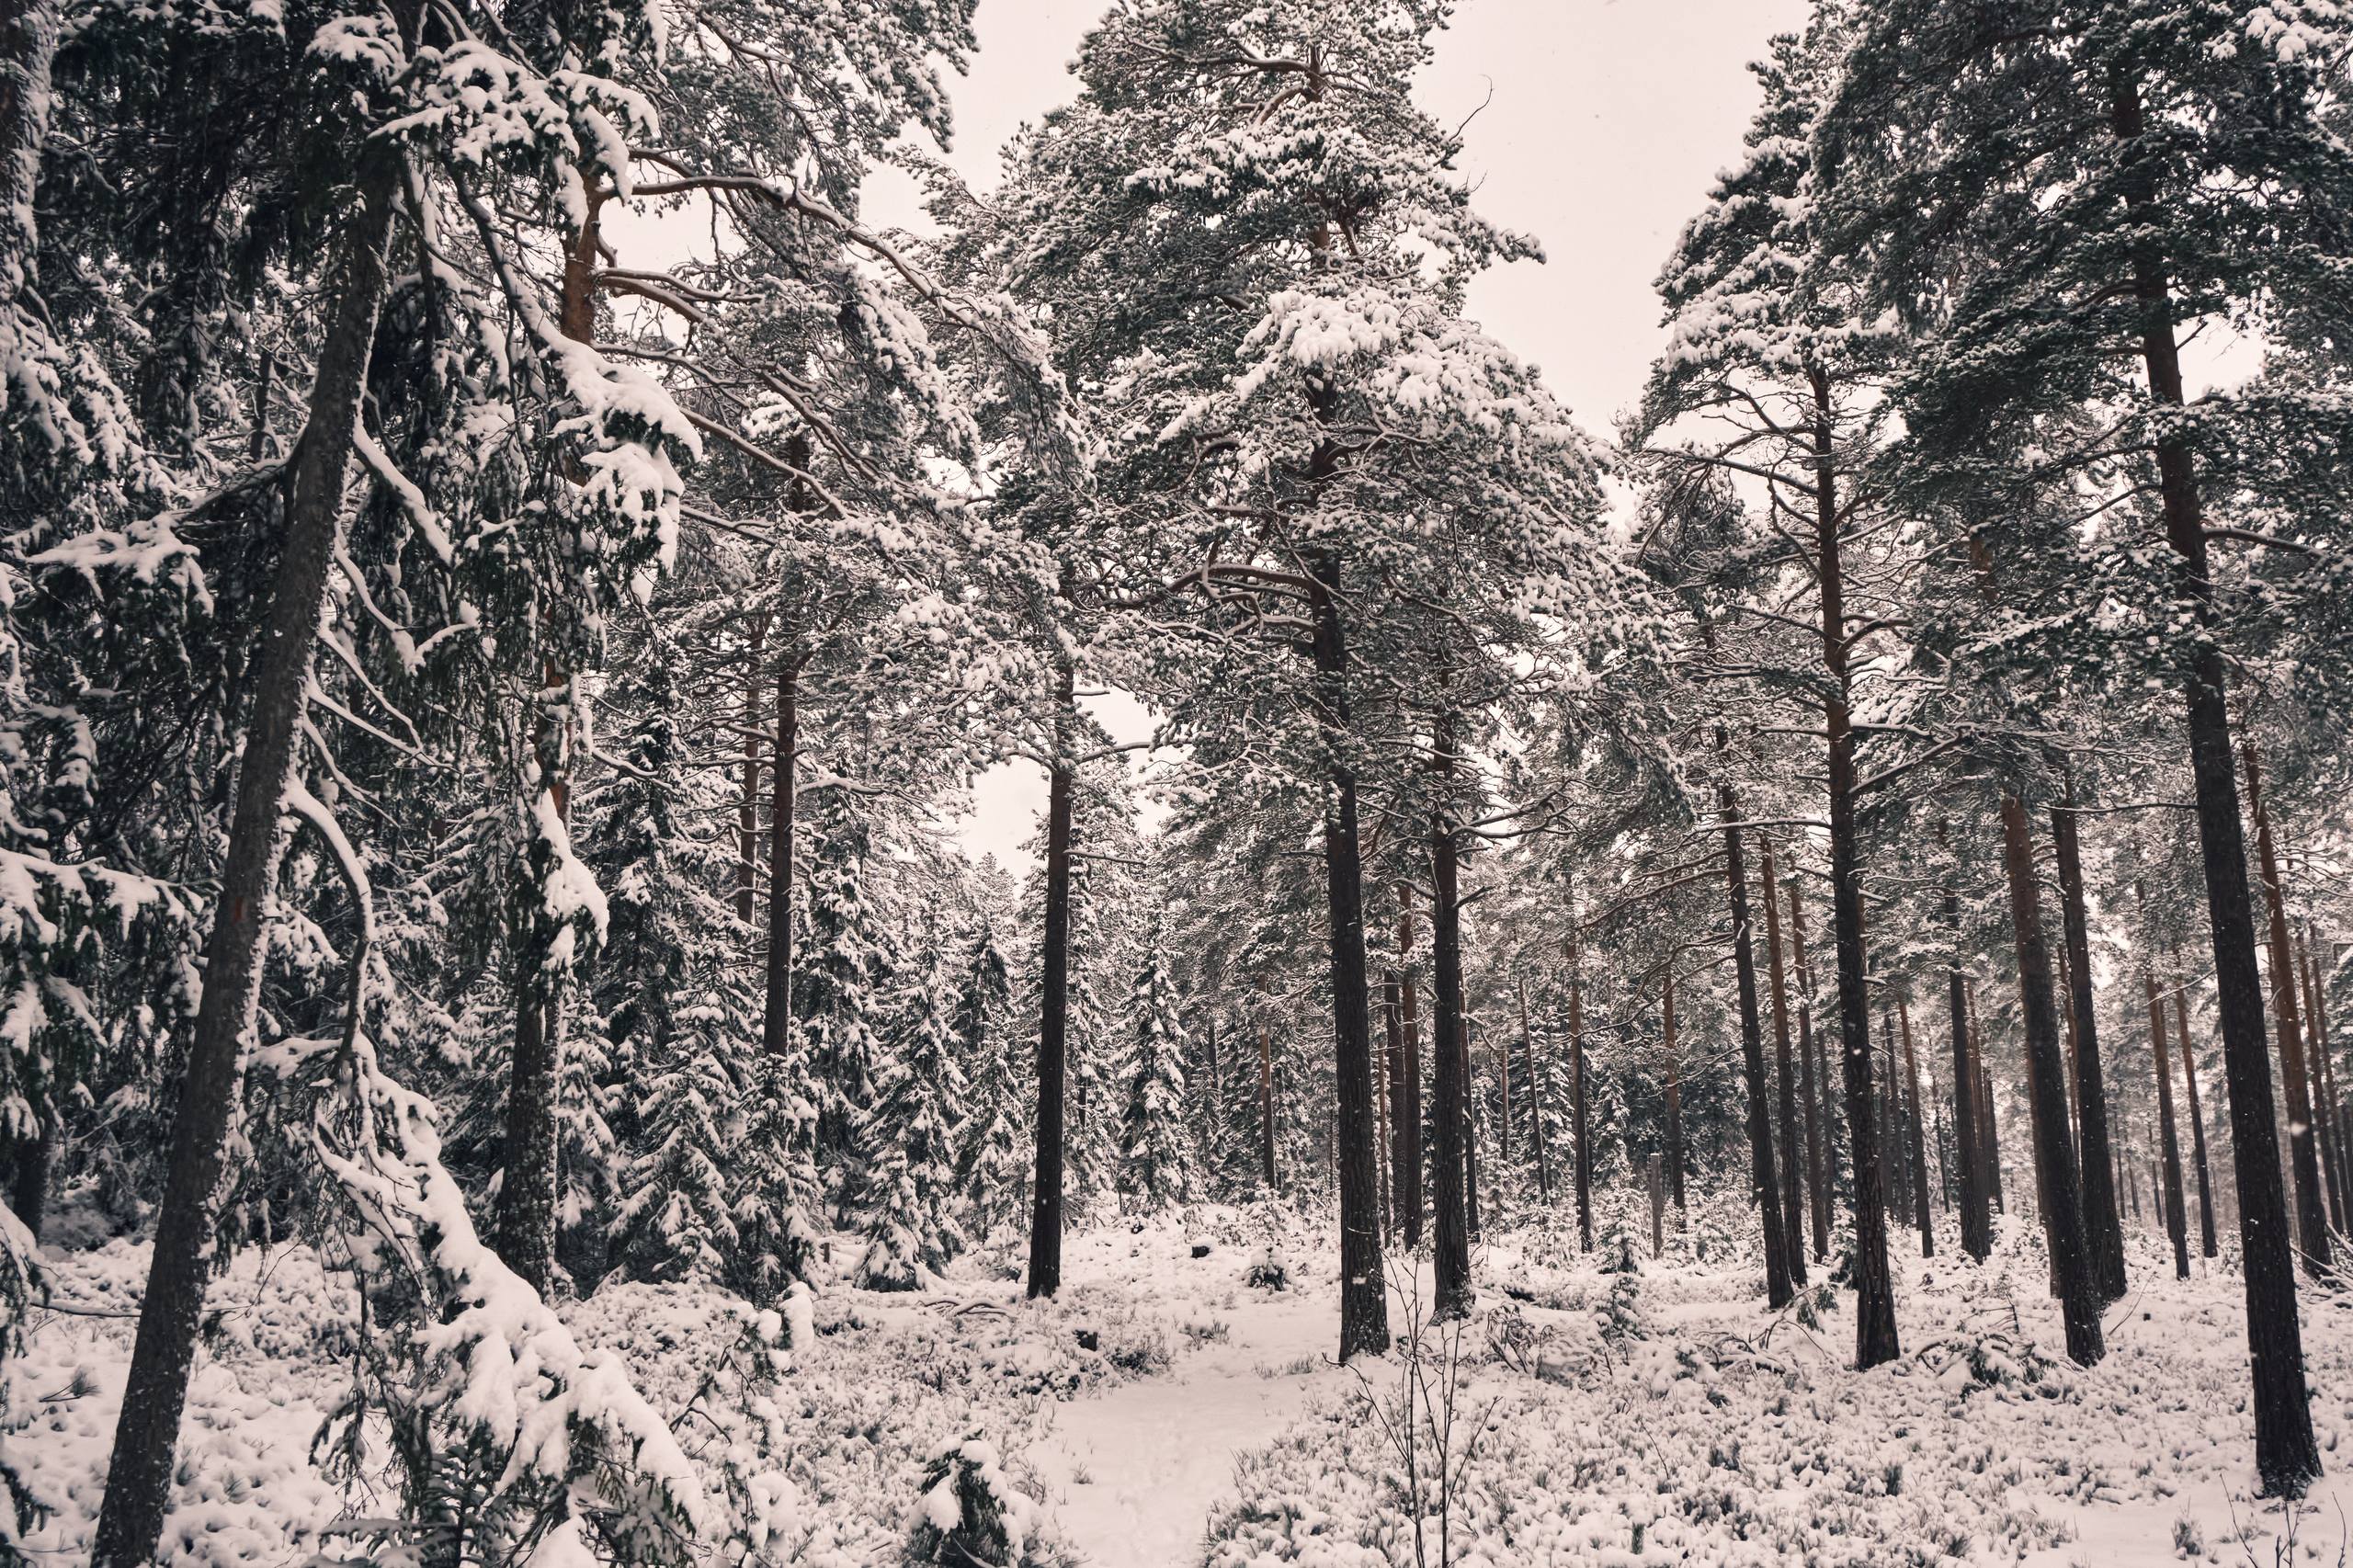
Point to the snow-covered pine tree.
(911, 1191)
(668, 1005)
(1156, 1167)
(992, 1139)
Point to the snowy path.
(1157, 1455)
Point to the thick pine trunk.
(1364, 1303)
(1765, 1185)
(2047, 1083)
(2103, 1229)
(2311, 1214)
(2286, 1456)
(1053, 1022)
(1452, 1113)
(1792, 1195)
(1875, 1335)
(138, 1475)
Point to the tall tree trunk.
(1451, 1114)
(1535, 1102)
(1469, 1128)
(2312, 1214)
(1814, 1083)
(1989, 1132)
(2102, 1228)
(2047, 1080)
(2331, 1109)
(747, 811)
(2177, 1223)
(1765, 1185)
(1393, 1090)
(1893, 1149)
(139, 1476)
(1918, 1131)
(1875, 1335)
(1364, 1303)
(776, 1012)
(1674, 1089)
(1791, 1195)
(2207, 1244)
(1407, 1165)
(2286, 1456)
(1053, 1021)
(1582, 1124)
(1976, 1218)
(1502, 1120)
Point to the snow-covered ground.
(1167, 1411)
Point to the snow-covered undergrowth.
(1588, 1416)
(813, 1428)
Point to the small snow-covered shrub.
(973, 1512)
(1269, 1273)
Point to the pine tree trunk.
(2102, 1229)
(1814, 1083)
(1364, 1303)
(2286, 1456)
(2047, 1083)
(1674, 1089)
(1919, 1132)
(776, 1014)
(1502, 1120)
(1451, 1114)
(1392, 1073)
(2177, 1222)
(2312, 1215)
(1765, 1186)
(2207, 1244)
(1893, 1151)
(1793, 1195)
(748, 811)
(2331, 1109)
(1408, 1160)
(139, 1476)
(1976, 1218)
(1535, 1102)
(1989, 1157)
(1875, 1335)
(1053, 1022)
(1469, 1128)
(1582, 1124)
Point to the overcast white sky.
(1607, 120)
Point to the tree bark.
(1053, 1021)
(1814, 1083)
(1451, 1234)
(1765, 1185)
(2207, 1246)
(2287, 1458)
(748, 812)
(1469, 1128)
(1920, 1133)
(1535, 1102)
(2103, 1230)
(2177, 1223)
(139, 1476)
(1364, 1303)
(2332, 1108)
(1408, 1160)
(2311, 1212)
(1875, 1335)
(2047, 1080)
(1674, 1089)
(1792, 1194)
(1976, 1217)
(1583, 1126)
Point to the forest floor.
(1166, 1411)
